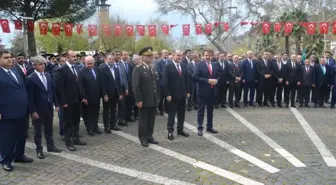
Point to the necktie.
(12, 76)
(24, 70)
(223, 65)
(121, 79)
(209, 68)
(73, 70)
(251, 64)
(307, 69)
(44, 81)
(112, 71)
(323, 69)
(279, 65)
(265, 63)
(178, 69)
(126, 67)
(91, 72)
(293, 64)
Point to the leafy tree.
(155, 42)
(17, 44)
(67, 10)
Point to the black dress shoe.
(71, 147)
(322, 106)
(23, 159)
(273, 104)
(107, 131)
(200, 132)
(332, 106)
(40, 154)
(144, 143)
(153, 141)
(54, 150)
(287, 105)
(161, 113)
(252, 105)
(7, 167)
(182, 133)
(245, 104)
(279, 105)
(307, 106)
(170, 136)
(97, 131)
(115, 128)
(216, 107)
(189, 109)
(223, 106)
(211, 130)
(123, 123)
(90, 133)
(293, 105)
(131, 120)
(79, 142)
(315, 106)
(195, 108)
(136, 118)
(237, 105)
(266, 105)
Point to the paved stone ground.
(279, 124)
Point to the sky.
(131, 10)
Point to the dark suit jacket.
(41, 100)
(50, 68)
(292, 74)
(331, 62)
(68, 87)
(320, 78)
(110, 86)
(233, 73)
(91, 86)
(13, 97)
(248, 73)
(262, 70)
(175, 85)
(279, 73)
(159, 67)
(202, 76)
(307, 79)
(19, 71)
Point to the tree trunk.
(297, 44)
(217, 46)
(287, 44)
(31, 44)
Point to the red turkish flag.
(334, 27)
(129, 30)
(288, 28)
(186, 29)
(277, 27)
(5, 25)
(208, 28)
(226, 26)
(216, 24)
(43, 28)
(93, 30)
(198, 29)
(266, 28)
(56, 28)
(324, 28)
(152, 30)
(165, 29)
(68, 29)
(141, 30)
(117, 30)
(18, 24)
(311, 28)
(79, 28)
(30, 25)
(106, 29)
(244, 23)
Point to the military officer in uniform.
(144, 84)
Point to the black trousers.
(321, 93)
(71, 118)
(234, 90)
(129, 103)
(110, 112)
(91, 115)
(313, 97)
(222, 93)
(13, 134)
(249, 88)
(304, 94)
(278, 92)
(208, 104)
(290, 90)
(45, 122)
(192, 100)
(163, 103)
(146, 123)
(176, 106)
(121, 109)
(265, 91)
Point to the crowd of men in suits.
(149, 84)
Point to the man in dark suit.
(322, 82)
(291, 80)
(306, 81)
(112, 93)
(159, 67)
(313, 63)
(235, 81)
(206, 74)
(188, 57)
(92, 85)
(144, 83)
(278, 79)
(41, 95)
(192, 100)
(70, 96)
(125, 60)
(177, 88)
(133, 64)
(223, 83)
(21, 67)
(248, 68)
(330, 62)
(264, 72)
(13, 114)
(51, 64)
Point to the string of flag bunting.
(129, 30)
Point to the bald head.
(235, 59)
(177, 55)
(89, 62)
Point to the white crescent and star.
(56, 26)
(186, 28)
(129, 29)
(106, 28)
(92, 29)
(140, 28)
(68, 27)
(311, 26)
(164, 27)
(208, 26)
(118, 28)
(151, 29)
(288, 25)
(4, 23)
(43, 25)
